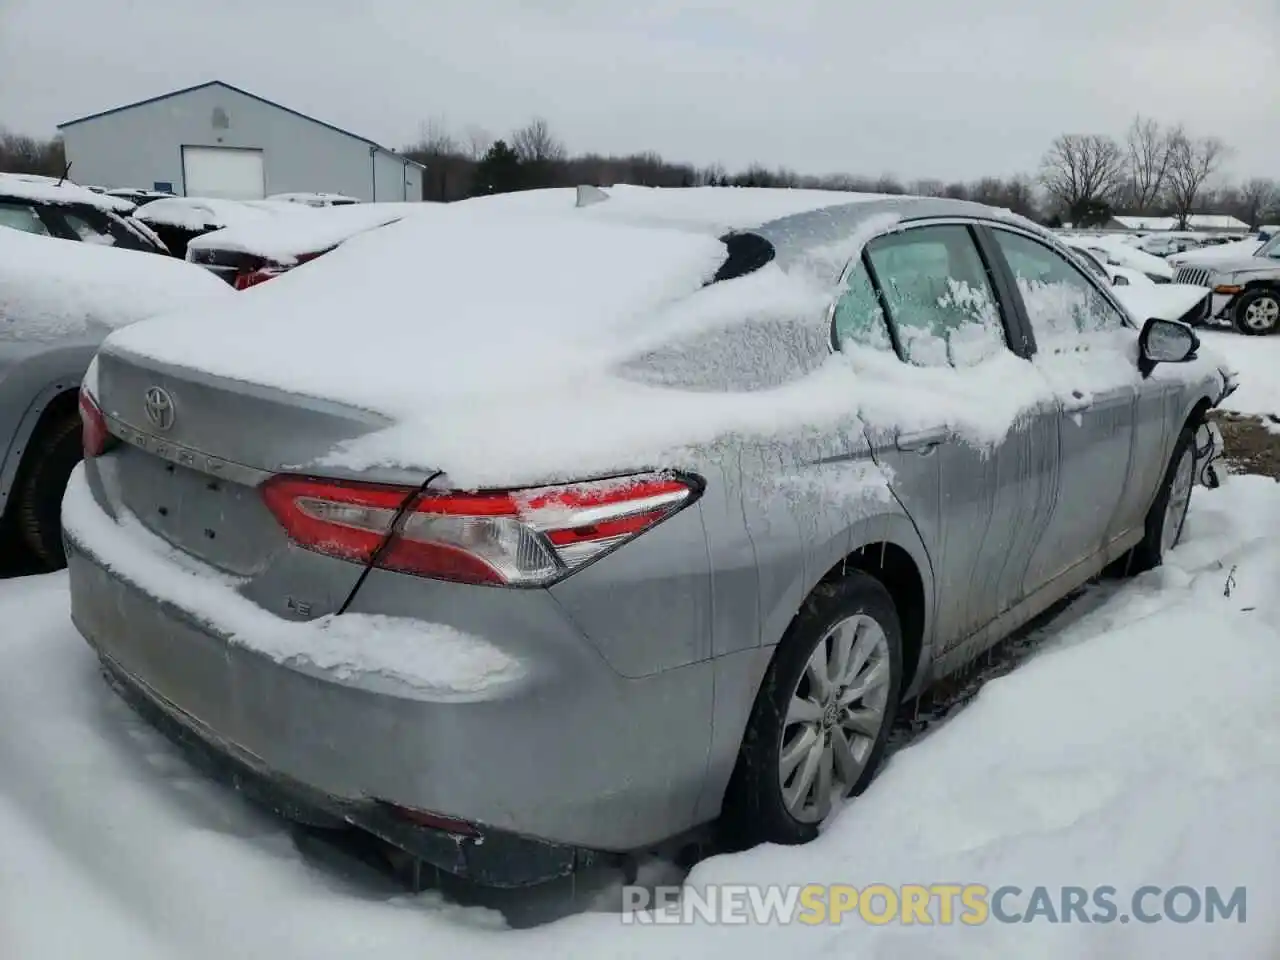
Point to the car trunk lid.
(197, 449)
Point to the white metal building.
(216, 140)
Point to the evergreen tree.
(499, 171)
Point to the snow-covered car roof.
(707, 209)
(488, 309)
(205, 213)
(283, 239)
(50, 288)
(39, 189)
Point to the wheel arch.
(50, 383)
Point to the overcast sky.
(914, 87)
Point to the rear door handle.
(924, 441)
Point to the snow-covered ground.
(1258, 361)
(1139, 745)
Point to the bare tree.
(1257, 198)
(535, 143)
(20, 153)
(434, 138)
(1147, 149)
(479, 140)
(1083, 169)
(1193, 161)
(928, 188)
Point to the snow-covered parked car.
(1119, 252)
(178, 220)
(525, 536)
(316, 199)
(249, 253)
(49, 208)
(57, 301)
(1246, 286)
(1140, 295)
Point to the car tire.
(1257, 313)
(1157, 538)
(857, 614)
(42, 480)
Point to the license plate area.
(222, 523)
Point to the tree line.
(1084, 178)
(1154, 170)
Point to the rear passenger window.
(858, 317)
(1061, 301)
(20, 216)
(940, 300)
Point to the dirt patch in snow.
(1253, 442)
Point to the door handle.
(924, 441)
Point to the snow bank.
(1257, 361)
(51, 288)
(282, 239)
(47, 190)
(433, 661)
(1141, 746)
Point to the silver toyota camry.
(655, 527)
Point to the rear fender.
(27, 388)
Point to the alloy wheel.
(834, 717)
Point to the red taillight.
(506, 538)
(94, 434)
(251, 278)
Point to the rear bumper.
(570, 759)
(492, 857)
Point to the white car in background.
(1119, 251)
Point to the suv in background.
(1246, 290)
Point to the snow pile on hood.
(283, 239)
(1167, 301)
(207, 213)
(51, 288)
(48, 190)
(1079, 768)
(1208, 256)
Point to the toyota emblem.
(159, 408)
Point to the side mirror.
(1165, 341)
(1119, 281)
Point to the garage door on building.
(227, 172)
